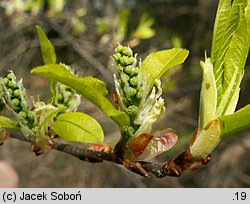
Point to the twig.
(83, 154)
(174, 167)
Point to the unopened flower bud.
(11, 92)
(132, 110)
(130, 92)
(117, 56)
(124, 60)
(129, 70)
(60, 98)
(133, 81)
(16, 93)
(125, 78)
(128, 130)
(127, 51)
(31, 116)
(10, 76)
(6, 81)
(139, 95)
(119, 48)
(12, 85)
(22, 114)
(16, 102)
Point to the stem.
(173, 168)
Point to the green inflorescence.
(14, 97)
(142, 104)
(130, 87)
(65, 96)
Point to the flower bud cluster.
(66, 96)
(133, 95)
(128, 85)
(14, 97)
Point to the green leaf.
(78, 127)
(89, 87)
(47, 49)
(235, 60)
(157, 63)
(229, 51)
(220, 25)
(8, 123)
(236, 122)
(48, 53)
(228, 25)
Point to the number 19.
(240, 196)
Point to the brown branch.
(174, 167)
(83, 154)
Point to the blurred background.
(84, 33)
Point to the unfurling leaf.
(230, 48)
(78, 127)
(89, 87)
(147, 146)
(162, 141)
(138, 144)
(47, 49)
(48, 53)
(157, 63)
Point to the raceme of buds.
(65, 96)
(14, 96)
(142, 105)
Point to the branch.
(174, 167)
(82, 154)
